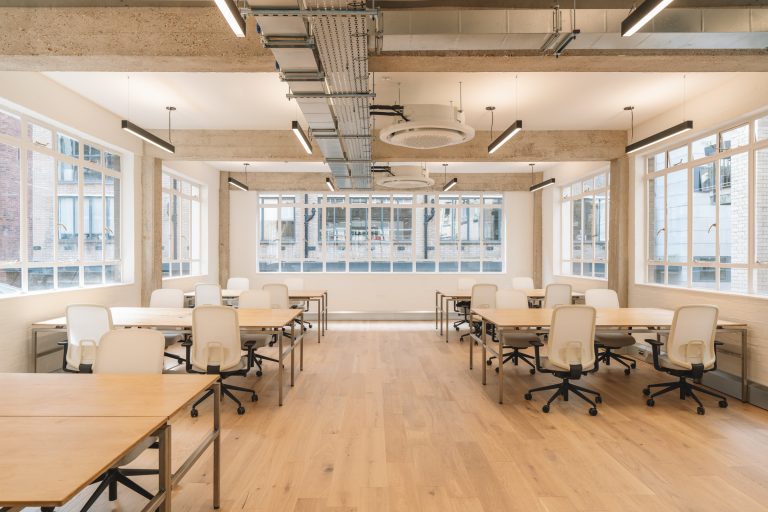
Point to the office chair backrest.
(207, 295)
(511, 299)
(557, 294)
(601, 298)
(215, 337)
(294, 283)
(238, 283)
(692, 336)
(522, 283)
(466, 283)
(484, 296)
(278, 293)
(167, 298)
(86, 324)
(572, 337)
(130, 351)
(255, 299)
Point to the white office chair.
(86, 324)
(522, 283)
(296, 284)
(127, 351)
(215, 349)
(278, 295)
(571, 350)
(462, 307)
(690, 352)
(557, 294)
(169, 298)
(238, 283)
(609, 341)
(515, 339)
(483, 296)
(207, 295)
(251, 342)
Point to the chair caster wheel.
(650, 402)
(532, 371)
(545, 408)
(254, 397)
(241, 410)
(497, 370)
(528, 396)
(723, 404)
(489, 362)
(633, 365)
(700, 411)
(193, 413)
(259, 373)
(598, 399)
(646, 391)
(592, 411)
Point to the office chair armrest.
(187, 344)
(719, 343)
(537, 343)
(654, 342)
(537, 353)
(656, 351)
(62, 343)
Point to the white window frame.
(194, 266)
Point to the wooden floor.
(387, 416)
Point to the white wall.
(209, 177)
(718, 108)
(38, 94)
(381, 296)
(564, 173)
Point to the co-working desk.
(641, 320)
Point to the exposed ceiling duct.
(321, 52)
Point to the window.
(380, 233)
(584, 226)
(181, 226)
(59, 220)
(701, 225)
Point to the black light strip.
(329, 183)
(448, 186)
(145, 135)
(543, 184)
(296, 129)
(565, 42)
(502, 139)
(663, 135)
(238, 184)
(642, 15)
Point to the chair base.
(563, 389)
(607, 355)
(226, 390)
(258, 359)
(686, 390)
(516, 356)
(114, 476)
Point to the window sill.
(706, 292)
(173, 278)
(602, 279)
(35, 293)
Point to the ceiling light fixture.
(541, 185)
(662, 135)
(237, 184)
(296, 128)
(232, 14)
(330, 184)
(565, 41)
(642, 15)
(448, 185)
(507, 134)
(153, 139)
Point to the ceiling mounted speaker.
(428, 127)
(407, 177)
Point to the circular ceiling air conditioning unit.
(428, 127)
(407, 177)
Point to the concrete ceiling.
(256, 101)
(395, 4)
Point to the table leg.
(164, 467)
(34, 347)
(485, 356)
(744, 367)
(437, 307)
(471, 349)
(320, 318)
(325, 308)
(501, 368)
(293, 340)
(217, 445)
(447, 300)
(441, 314)
(301, 344)
(280, 367)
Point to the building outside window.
(181, 226)
(584, 227)
(304, 232)
(705, 229)
(60, 215)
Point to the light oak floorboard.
(387, 417)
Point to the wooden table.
(138, 401)
(641, 320)
(444, 296)
(269, 321)
(308, 296)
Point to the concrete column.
(151, 226)
(618, 229)
(537, 236)
(223, 228)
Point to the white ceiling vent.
(407, 177)
(428, 127)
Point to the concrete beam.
(281, 145)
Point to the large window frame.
(182, 226)
(711, 242)
(69, 195)
(585, 254)
(381, 232)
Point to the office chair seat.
(666, 363)
(240, 366)
(518, 339)
(614, 339)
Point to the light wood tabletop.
(293, 294)
(46, 462)
(533, 293)
(67, 394)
